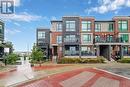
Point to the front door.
(105, 51)
(55, 51)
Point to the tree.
(11, 58)
(37, 55)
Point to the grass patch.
(124, 60)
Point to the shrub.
(81, 60)
(11, 58)
(124, 60)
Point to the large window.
(72, 48)
(126, 51)
(123, 25)
(59, 39)
(97, 27)
(1, 28)
(124, 37)
(86, 38)
(97, 38)
(109, 38)
(110, 27)
(41, 35)
(71, 51)
(86, 51)
(59, 27)
(86, 25)
(70, 38)
(70, 25)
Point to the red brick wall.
(54, 37)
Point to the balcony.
(112, 40)
(71, 53)
(71, 40)
(86, 53)
(126, 53)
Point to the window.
(41, 35)
(97, 27)
(86, 38)
(125, 51)
(97, 38)
(59, 27)
(110, 27)
(1, 28)
(110, 38)
(70, 25)
(123, 25)
(124, 37)
(86, 51)
(72, 48)
(70, 38)
(86, 25)
(59, 39)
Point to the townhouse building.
(43, 40)
(1, 39)
(86, 37)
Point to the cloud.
(16, 3)
(89, 2)
(24, 16)
(16, 23)
(116, 12)
(105, 6)
(53, 18)
(11, 31)
(128, 3)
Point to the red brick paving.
(54, 80)
(48, 67)
(3, 74)
(35, 68)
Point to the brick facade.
(108, 39)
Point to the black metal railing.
(112, 40)
(71, 53)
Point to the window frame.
(59, 39)
(59, 27)
(70, 25)
(120, 25)
(87, 24)
(41, 34)
(97, 27)
(70, 38)
(86, 39)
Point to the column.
(109, 52)
(98, 50)
(79, 51)
(121, 51)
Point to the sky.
(20, 28)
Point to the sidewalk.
(24, 73)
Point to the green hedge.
(124, 60)
(80, 60)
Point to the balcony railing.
(112, 40)
(86, 53)
(71, 53)
(71, 40)
(126, 54)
